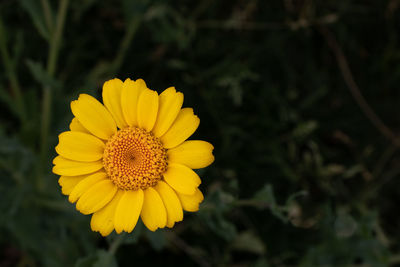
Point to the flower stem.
(10, 70)
(47, 92)
(56, 37)
(48, 15)
(132, 27)
(116, 243)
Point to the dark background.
(299, 97)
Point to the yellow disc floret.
(134, 158)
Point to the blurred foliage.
(301, 177)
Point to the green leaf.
(345, 225)
(248, 241)
(213, 213)
(266, 198)
(266, 195)
(305, 129)
(41, 75)
(353, 171)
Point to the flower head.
(130, 158)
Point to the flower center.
(134, 158)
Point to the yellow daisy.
(130, 158)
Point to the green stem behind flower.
(116, 243)
(56, 37)
(48, 15)
(10, 70)
(125, 43)
(47, 91)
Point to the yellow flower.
(130, 158)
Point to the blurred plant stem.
(56, 37)
(48, 15)
(394, 259)
(15, 176)
(353, 86)
(197, 255)
(12, 76)
(47, 91)
(116, 243)
(133, 25)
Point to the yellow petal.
(76, 126)
(68, 167)
(112, 100)
(153, 212)
(96, 197)
(68, 183)
(191, 202)
(103, 220)
(80, 146)
(94, 116)
(183, 127)
(85, 185)
(170, 103)
(128, 211)
(182, 179)
(171, 203)
(131, 91)
(194, 154)
(147, 109)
